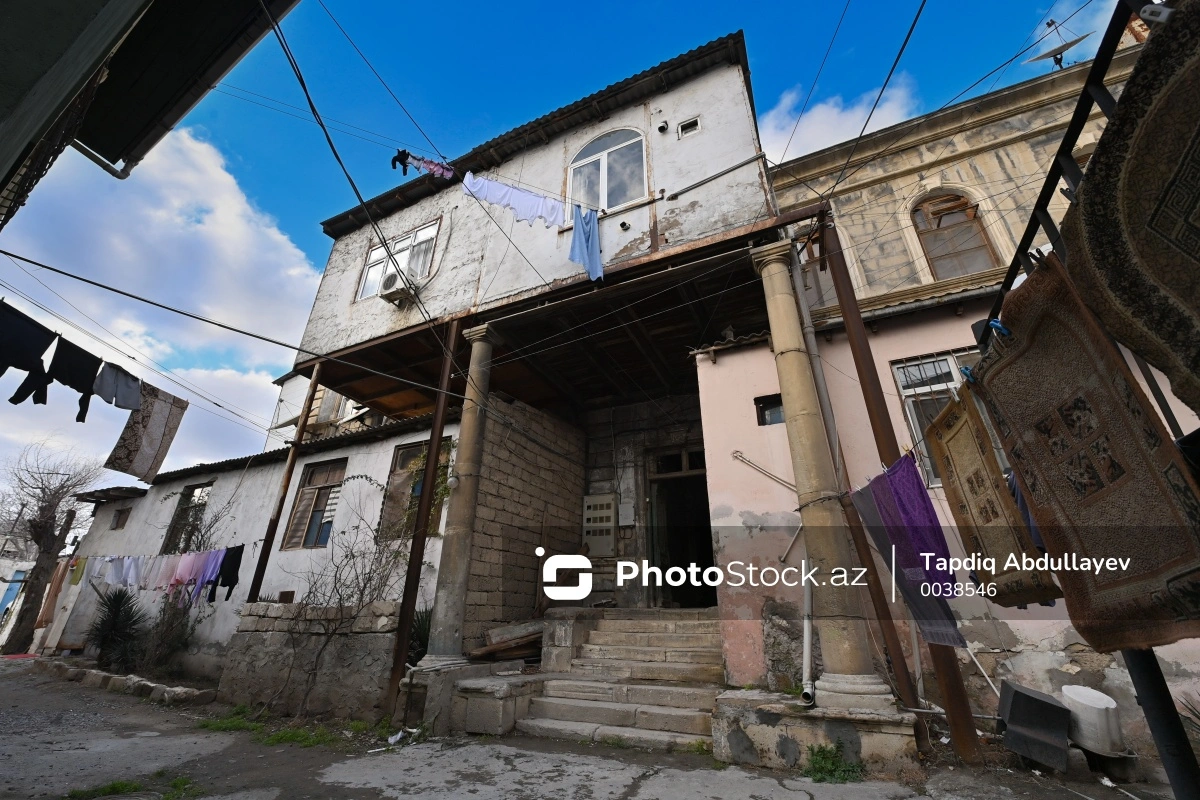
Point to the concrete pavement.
(57, 736)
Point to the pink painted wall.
(753, 517)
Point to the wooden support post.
(264, 555)
(945, 663)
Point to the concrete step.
(687, 697)
(659, 625)
(678, 640)
(628, 715)
(647, 670)
(615, 735)
(678, 656)
(661, 613)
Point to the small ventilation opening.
(689, 127)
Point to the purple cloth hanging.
(881, 516)
(919, 518)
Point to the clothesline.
(169, 572)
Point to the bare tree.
(45, 479)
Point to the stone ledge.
(131, 684)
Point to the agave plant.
(118, 631)
(419, 643)
(1190, 714)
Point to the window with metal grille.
(952, 236)
(316, 502)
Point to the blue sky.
(223, 217)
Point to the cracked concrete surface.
(57, 736)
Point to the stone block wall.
(309, 660)
(530, 495)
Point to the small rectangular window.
(769, 409)
(186, 530)
(688, 127)
(119, 518)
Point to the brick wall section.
(530, 494)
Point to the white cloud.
(833, 120)
(181, 231)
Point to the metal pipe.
(99, 160)
(714, 176)
(1159, 397)
(1170, 738)
(808, 690)
(945, 662)
(260, 569)
(416, 554)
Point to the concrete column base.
(854, 691)
(773, 730)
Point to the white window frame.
(398, 245)
(602, 156)
(908, 395)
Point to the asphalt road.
(56, 736)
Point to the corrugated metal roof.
(729, 49)
(110, 494)
(317, 446)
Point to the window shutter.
(395, 503)
(301, 511)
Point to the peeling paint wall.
(250, 493)
(475, 265)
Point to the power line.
(882, 89)
(817, 78)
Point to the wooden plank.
(517, 630)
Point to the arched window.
(610, 171)
(952, 237)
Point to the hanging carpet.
(1101, 477)
(982, 505)
(1133, 238)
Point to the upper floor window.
(186, 532)
(926, 385)
(952, 236)
(413, 253)
(316, 502)
(610, 172)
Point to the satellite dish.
(1056, 53)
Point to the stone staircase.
(645, 678)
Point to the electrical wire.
(813, 86)
(878, 97)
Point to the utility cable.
(878, 97)
(813, 86)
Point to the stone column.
(849, 680)
(449, 605)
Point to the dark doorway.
(682, 535)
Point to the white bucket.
(1095, 721)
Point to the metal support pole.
(416, 554)
(1159, 397)
(945, 663)
(1165, 726)
(264, 555)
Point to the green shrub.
(118, 631)
(419, 640)
(826, 765)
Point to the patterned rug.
(984, 510)
(1100, 474)
(1133, 240)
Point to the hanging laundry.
(210, 569)
(117, 387)
(1101, 476)
(166, 571)
(405, 159)
(880, 516)
(25, 342)
(148, 571)
(982, 507)
(78, 570)
(114, 570)
(1131, 239)
(131, 571)
(585, 243)
(921, 522)
(228, 575)
(50, 605)
(189, 566)
(526, 206)
(76, 368)
(148, 434)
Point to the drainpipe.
(99, 160)
(808, 691)
(883, 614)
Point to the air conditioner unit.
(395, 289)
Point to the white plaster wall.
(251, 493)
(475, 265)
